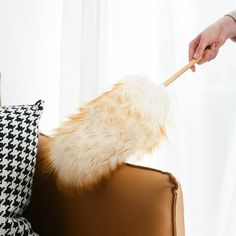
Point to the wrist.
(229, 26)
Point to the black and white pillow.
(18, 146)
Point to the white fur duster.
(126, 121)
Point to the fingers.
(200, 47)
(209, 54)
(192, 49)
(197, 48)
(215, 52)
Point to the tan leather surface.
(134, 201)
(180, 229)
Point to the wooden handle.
(181, 71)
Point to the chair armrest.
(133, 201)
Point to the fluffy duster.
(128, 120)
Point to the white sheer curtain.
(151, 37)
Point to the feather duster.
(128, 120)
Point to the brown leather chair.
(134, 201)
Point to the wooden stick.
(181, 71)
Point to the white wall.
(30, 54)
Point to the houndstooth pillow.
(18, 146)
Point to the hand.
(208, 42)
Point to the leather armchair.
(134, 201)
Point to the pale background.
(67, 52)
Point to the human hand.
(206, 45)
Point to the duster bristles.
(126, 121)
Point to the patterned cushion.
(18, 146)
